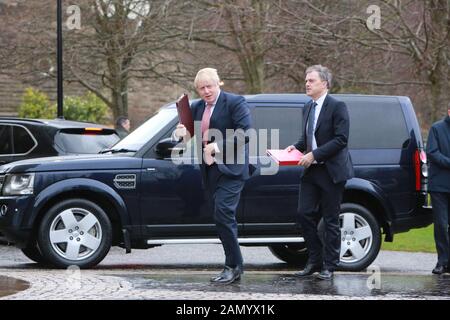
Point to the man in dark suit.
(225, 165)
(438, 152)
(328, 166)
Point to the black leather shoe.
(439, 269)
(228, 275)
(325, 274)
(310, 268)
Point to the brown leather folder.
(284, 158)
(185, 113)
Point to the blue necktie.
(310, 131)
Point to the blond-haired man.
(223, 176)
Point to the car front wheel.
(75, 232)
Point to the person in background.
(438, 154)
(122, 126)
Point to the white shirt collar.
(321, 99)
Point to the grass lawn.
(416, 240)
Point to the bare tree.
(241, 30)
(413, 41)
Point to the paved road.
(182, 272)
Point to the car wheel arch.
(366, 194)
(91, 190)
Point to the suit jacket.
(230, 112)
(332, 130)
(438, 152)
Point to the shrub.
(88, 108)
(36, 104)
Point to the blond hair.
(208, 74)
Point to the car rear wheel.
(293, 253)
(360, 237)
(360, 240)
(75, 232)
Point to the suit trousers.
(225, 193)
(441, 212)
(320, 197)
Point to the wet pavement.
(183, 272)
(343, 284)
(9, 286)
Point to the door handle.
(151, 169)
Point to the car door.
(174, 203)
(270, 200)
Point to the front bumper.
(13, 219)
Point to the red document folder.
(284, 158)
(185, 113)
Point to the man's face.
(315, 87)
(208, 90)
(126, 124)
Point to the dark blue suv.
(70, 210)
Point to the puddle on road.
(358, 285)
(9, 286)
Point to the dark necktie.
(310, 131)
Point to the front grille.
(125, 181)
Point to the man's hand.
(208, 154)
(306, 160)
(180, 131)
(290, 148)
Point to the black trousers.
(441, 213)
(225, 193)
(320, 197)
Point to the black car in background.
(70, 210)
(30, 138)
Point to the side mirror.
(165, 147)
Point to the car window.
(376, 124)
(145, 132)
(5, 140)
(288, 120)
(88, 142)
(23, 142)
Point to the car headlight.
(18, 184)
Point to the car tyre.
(360, 237)
(75, 232)
(295, 254)
(34, 253)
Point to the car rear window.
(85, 140)
(5, 140)
(376, 123)
(23, 142)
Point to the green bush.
(88, 108)
(36, 104)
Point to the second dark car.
(33, 138)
